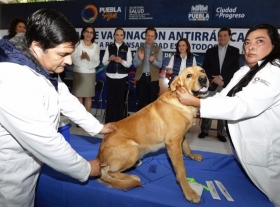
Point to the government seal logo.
(89, 13)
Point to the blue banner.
(157, 13)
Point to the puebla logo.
(89, 13)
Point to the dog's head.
(194, 79)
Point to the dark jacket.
(177, 65)
(230, 65)
(114, 67)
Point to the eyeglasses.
(88, 32)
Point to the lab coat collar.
(16, 51)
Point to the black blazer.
(230, 65)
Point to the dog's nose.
(202, 79)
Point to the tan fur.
(161, 123)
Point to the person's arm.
(74, 110)
(186, 98)
(71, 107)
(95, 168)
(94, 56)
(194, 61)
(76, 55)
(169, 67)
(206, 65)
(33, 123)
(158, 61)
(232, 66)
(251, 101)
(136, 59)
(105, 60)
(128, 62)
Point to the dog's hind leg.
(124, 181)
(124, 158)
(188, 153)
(120, 157)
(174, 149)
(124, 176)
(118, 180)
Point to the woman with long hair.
(251, 105)
(16, 25)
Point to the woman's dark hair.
(188, 45)
(12, 26)
(275, 41)
(273, 57)
(50, 28)
(83, 30)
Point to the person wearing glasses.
(86, 58)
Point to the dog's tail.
(119, 180)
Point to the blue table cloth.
(159, 183)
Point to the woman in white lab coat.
(251, 105)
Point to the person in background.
(35, 97)
(251, 105)
(220, 63)
(118, 59)
(182, 59)
(148, 61)
(86, 58)
(16, 25)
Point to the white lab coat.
(30, 110)
(253, 117)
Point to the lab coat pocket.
(19, 178)
(257, 153)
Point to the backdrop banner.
(157, 13)
(199, 22)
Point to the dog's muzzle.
(203, 91)
(202, 80)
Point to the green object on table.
(192, 180)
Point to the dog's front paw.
(193, 197)
(196, 157)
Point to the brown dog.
(162, 123)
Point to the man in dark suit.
(220, 63)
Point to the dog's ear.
(175, 83)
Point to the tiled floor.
(210, 143)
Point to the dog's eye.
(203, 71)
(189, 75)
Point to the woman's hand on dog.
(95, 168)
(186, 98)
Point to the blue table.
(159, 184)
